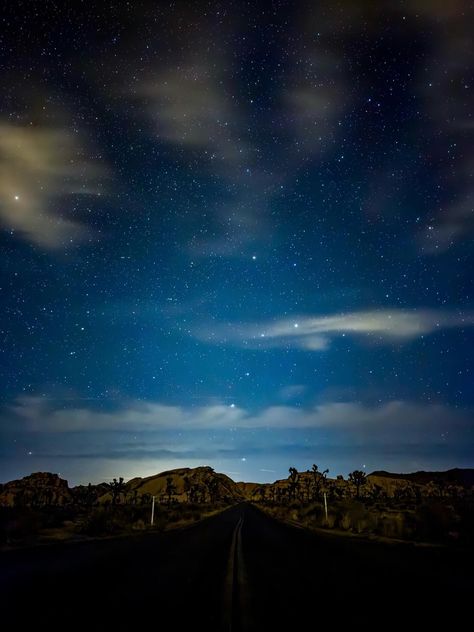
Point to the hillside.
(456, 476)
(40, 488)
(203, 484)
(200, 483)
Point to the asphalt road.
(239, 571)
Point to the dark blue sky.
(237, 235)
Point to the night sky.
(236, 234)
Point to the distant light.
(232, 405)
(17, 197)
(254, 257)
(295, 325)
(243, 459)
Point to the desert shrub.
(100, 521)
(315, 515)
(352, 515)
(391, 524)
(115, 519)
(435, 520)
(331, 520)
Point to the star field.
(236, 234)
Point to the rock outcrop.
(200, 484)
(36, 490)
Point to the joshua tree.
(170, 488)
(318, 480)
(358, 478)
(294, 482)
(116, 488)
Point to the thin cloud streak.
(315, 333)
(37, 415)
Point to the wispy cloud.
(315, 333)
(40, 415)
(188, 107)
(41, 167)
(137, 438)
(194, 99)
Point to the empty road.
(239, 570)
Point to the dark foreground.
(239, 570)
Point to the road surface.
(237, 571)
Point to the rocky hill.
(391, 485)
(203, 484)
(40, 488)
(198, 484)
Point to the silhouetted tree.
(358, 478)
(293, 483)
(116, 488)
(318, 479)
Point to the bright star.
(17, 197)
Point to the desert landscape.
(421, 506)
